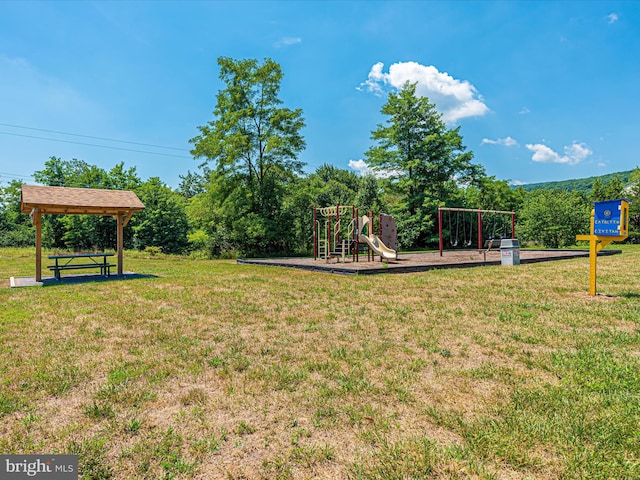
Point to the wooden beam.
(37, 220)
(56, 210)
(120, 237)
(128, 217)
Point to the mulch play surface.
(418, 262)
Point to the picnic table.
(89, 260)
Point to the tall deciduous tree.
(632, 193)
(15, 227)
(427, 158)
(163, 223)
(488, 193)
(253, 143)
(192, 184)
(553, 217)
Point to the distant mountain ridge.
(580, 184)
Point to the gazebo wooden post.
(37, 221)
(120, 241)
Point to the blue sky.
(541, 90)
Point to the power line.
(5, 174)
(14, 174)
(94, 145)
(13, 177)
(90, 136)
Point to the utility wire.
(12, 177)
(90, 136)
(94, 145)
(15, 175)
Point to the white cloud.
(518, 183)
(456, 99)
(363, 168)
(573, 154)
(524, 111)
(612, 17)
(577, 151)
(360, 166)
(287, 42)
(602, 164)
(507, 142)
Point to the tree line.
(251, 197)
(580, 184)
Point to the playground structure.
(339, 232)
(327, 233)
(472, 228)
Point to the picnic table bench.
(90, 260)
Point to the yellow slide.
(377, 246)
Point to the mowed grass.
(211, 370)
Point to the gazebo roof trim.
(67, 200)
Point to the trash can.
(510, 252)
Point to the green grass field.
(215, 370)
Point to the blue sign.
(607, 218)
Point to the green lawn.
(215, 370)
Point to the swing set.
(487, 221)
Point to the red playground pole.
(315, 236)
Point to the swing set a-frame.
(467, 240)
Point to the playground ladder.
(322, 249)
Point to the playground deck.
(419, 262)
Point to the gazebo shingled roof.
(90, 201)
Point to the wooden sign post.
(609, 222)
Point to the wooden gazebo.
(38, 200)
